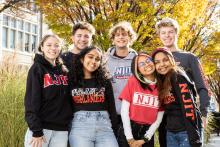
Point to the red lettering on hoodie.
(48, 80)
(187, 101)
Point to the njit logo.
(59, 79)
(146, 100)
(123, 72)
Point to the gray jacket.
(120, 71)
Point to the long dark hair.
(76, 75)
(164, 81)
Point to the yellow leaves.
(192, 16)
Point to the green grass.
(12, 89)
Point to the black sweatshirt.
(95, 98)
(47, 98)
(182, 112)
(68, 58)
(193, 68)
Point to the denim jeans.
(92, 129)
(53, 138)
(177, 139)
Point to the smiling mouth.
(163, 70)
(148, 69)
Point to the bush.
(12, 90)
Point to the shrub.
(12, 123)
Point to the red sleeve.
(127, 92)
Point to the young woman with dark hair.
(95, 118)
(140, 112)
(177, 94)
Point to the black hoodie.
(47, 98)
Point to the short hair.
(83, 26)
(126, 26)
(167, 22)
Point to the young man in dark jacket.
(82, 34)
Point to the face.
(81, 39)
(145, 66)
(51, 49)
(162, 63)
(168, 36)
(91, 62)
(121, 39)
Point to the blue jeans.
(92, 129)
(53, 138)
(177, 139)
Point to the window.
(20, 24)
(34, 41)
(4, 37)
(12, 39)
(27, 27)
(13, 23)
(19, 34)
(34, 29)
(5, 20)
(20, 40)
(27, 39)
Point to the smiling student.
(48, 110)
(95, 120)
(177, 94)
(168, 31)
(119, 58)
(141, 111)
(82, 33)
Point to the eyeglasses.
(147, 61)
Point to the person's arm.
(126, 119)
(111, 106)
(33, 97)
(150, 132)
(201, 85)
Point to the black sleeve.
(33, 98)
(111, 105)
(201, 84)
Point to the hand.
(37, 141)
(137, 143)
(204, 121)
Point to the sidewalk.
(214, 141)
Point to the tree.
(16, 5)
(214, 82)
(194, 16)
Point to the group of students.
(87, 98)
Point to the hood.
(39, 58)
(136, 73)
(131, 53)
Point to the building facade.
(19, 35)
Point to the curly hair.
(125, 26)
(76, 75)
